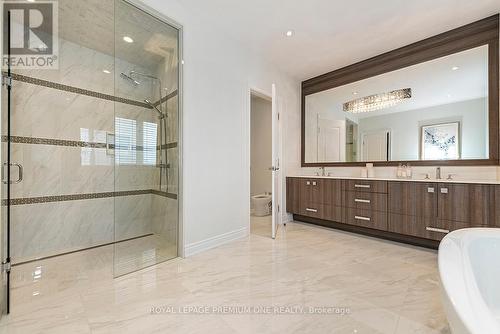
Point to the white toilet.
(262, 204)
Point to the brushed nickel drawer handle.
(314, 183)
(367, 186)
(362, 218)
(308, 183)
(357, 200)
(430, 190)
(444, 190)
(311, 210)
(434, 229)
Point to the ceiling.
(90, 23)
(330, 34)
(459, 77)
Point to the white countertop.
(396, 179)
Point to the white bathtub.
(469, 267)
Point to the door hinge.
(6, 80)
(6, 266)
(278, 208)
(278, 116)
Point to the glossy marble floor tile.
(261, 225)
(308, 280)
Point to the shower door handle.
(20, 175)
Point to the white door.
(276, 168)
(331, 140)
(375, 146)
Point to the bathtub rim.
(463, 299)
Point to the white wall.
(261, 146)
(218, 74)
(405, 128)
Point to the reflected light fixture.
(289, 33)
(454, 68)
(106, 71)
(128, 39)
(377, 101)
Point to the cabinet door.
(466, 203)
(293, 195)
(413, 199)
(332, 192)
(496, 220)
(316, 191)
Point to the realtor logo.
(31, 39)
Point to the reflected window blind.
(125, 141)
(149, 136)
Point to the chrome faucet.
(438, 173)
(322, 169)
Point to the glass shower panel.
(146, 118)
(60, 118)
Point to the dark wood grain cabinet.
(317, 198)
(467, 203)
(409, 211)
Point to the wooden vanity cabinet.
(316, 198)
(473, 204)
(408, 211)
(496, 219)
(431, 210)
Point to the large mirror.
(435, 110)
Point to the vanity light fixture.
(377, 101)
(289, 33)
(128, 39)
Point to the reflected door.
(376, 146)
(331, 140)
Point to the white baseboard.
(201, 246)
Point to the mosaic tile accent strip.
(72, 143)
(77, 197)
(51, 141)
(165, 98)
(167, 146)
(164, 194)
(76, 90)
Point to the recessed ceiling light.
(31, 0)
(106, 71)
(454, 68)
(128, 39)
(354, 93)
(289, 33)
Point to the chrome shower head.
(154, 107)
(130, 79)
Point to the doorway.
(261, 162)
(376, 146)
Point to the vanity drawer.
(366, 186)
(366, 201)
(322, 211)
(366, 218)
(427, 228)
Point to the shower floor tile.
(308, 280)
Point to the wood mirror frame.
(480, 33)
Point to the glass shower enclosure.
(91, 147)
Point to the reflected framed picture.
(440, 141)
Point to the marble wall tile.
(132, 216)
(60, 170)
(49, 113)
(165, 218)
(46, 229)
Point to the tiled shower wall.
(73, 195)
